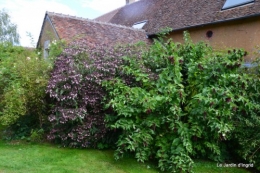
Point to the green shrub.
(23, 80)
(247, 129)
(37, 135)
(185, 101)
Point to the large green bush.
(247, 129)
(23, 79)
(185, 101)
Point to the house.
(222, 23)
(69, 28)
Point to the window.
(234, 3)
(139, 25)
(46, 49)
(209, 34)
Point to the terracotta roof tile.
(71, 28)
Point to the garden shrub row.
(167, 102)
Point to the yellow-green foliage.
(23, 78)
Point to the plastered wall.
(47, 33)
(236, 34)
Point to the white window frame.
(235, 3)
(139, 25)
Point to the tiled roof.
(180, 14)
(72, 28)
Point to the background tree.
(8, 30)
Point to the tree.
(8, 30)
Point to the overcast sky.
(29, 14)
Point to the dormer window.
(235, 3)
(139, 25)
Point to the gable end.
(48, 32)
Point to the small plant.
(56, 48)
(37, 135)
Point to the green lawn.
(28, 158)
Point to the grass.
(19, 157)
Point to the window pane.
(234, 3)
(139, 25)
(46, 49)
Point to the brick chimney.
(129, 1)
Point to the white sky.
(29, 14)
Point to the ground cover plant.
(18, 157)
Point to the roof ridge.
(94, 21)
(110, 12)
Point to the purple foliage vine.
(75, 86)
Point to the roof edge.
(46, 18)
(115, 10)
(95, 21)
